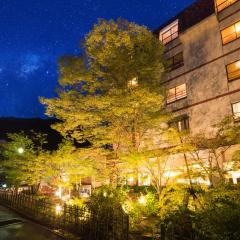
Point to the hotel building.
(202, 48)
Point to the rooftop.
(192, 15)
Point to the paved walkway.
(24, 230)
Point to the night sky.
(34, 33)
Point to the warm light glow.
(171, 174)
(20, 150)
(133, 82)
(196, 180)
(131, 179)
(58, 209)
(125, 208)
(105, 194)
(66, 197)
(235, 176)
(142, 200)
(58, 193)
(238, 27)
(65, 179)
(238, 64)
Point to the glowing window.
(222, 4)
(236, 110)
(176, 93)
(231, 33)
(233, 70)
(169, 33)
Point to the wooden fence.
(94, 224)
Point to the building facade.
(202, 48)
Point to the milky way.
(35, 33)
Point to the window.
(175, 62)
(236, 110)
(180, 122)
(231, 33)
(233, 70)
(183, 124)
(176, 93)
(169, 33)
(222, 4)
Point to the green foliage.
(68, 165)
(107, 197)
(140, 211)
(24, 167)
(220, 217)
(99, 103)
(120, 51)
(79, 202)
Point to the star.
(35, 34)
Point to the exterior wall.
(209, 93)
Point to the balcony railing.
(177, 96)
(224, 4)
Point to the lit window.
(236, 110)
(133, 82)
(176, 93)
(231, 33)
(169, 33)
(233, 70)
(222, 4)
(175, 62)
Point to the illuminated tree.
(68, 165)
(111, 96)
(23, 162)
(209, 152)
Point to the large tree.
(110, 96)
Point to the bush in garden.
(107, 197)
(143, 214)
(220, 217)
(79, 202)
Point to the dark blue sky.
(34, 33)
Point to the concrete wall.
(209, 93)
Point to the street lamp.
(20, 150)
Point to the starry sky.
(35, 33)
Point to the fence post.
(162, 231)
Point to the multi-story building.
(202, 46)
(202, 49)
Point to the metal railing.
(221, 6)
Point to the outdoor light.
(4, 185)
(125, 208)
(65, 179)
(20, 150)
(66, 197)
(58, 209)
(142, 200)
(133, 82)
(58, 193)
(130, 179)
(105, 194)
